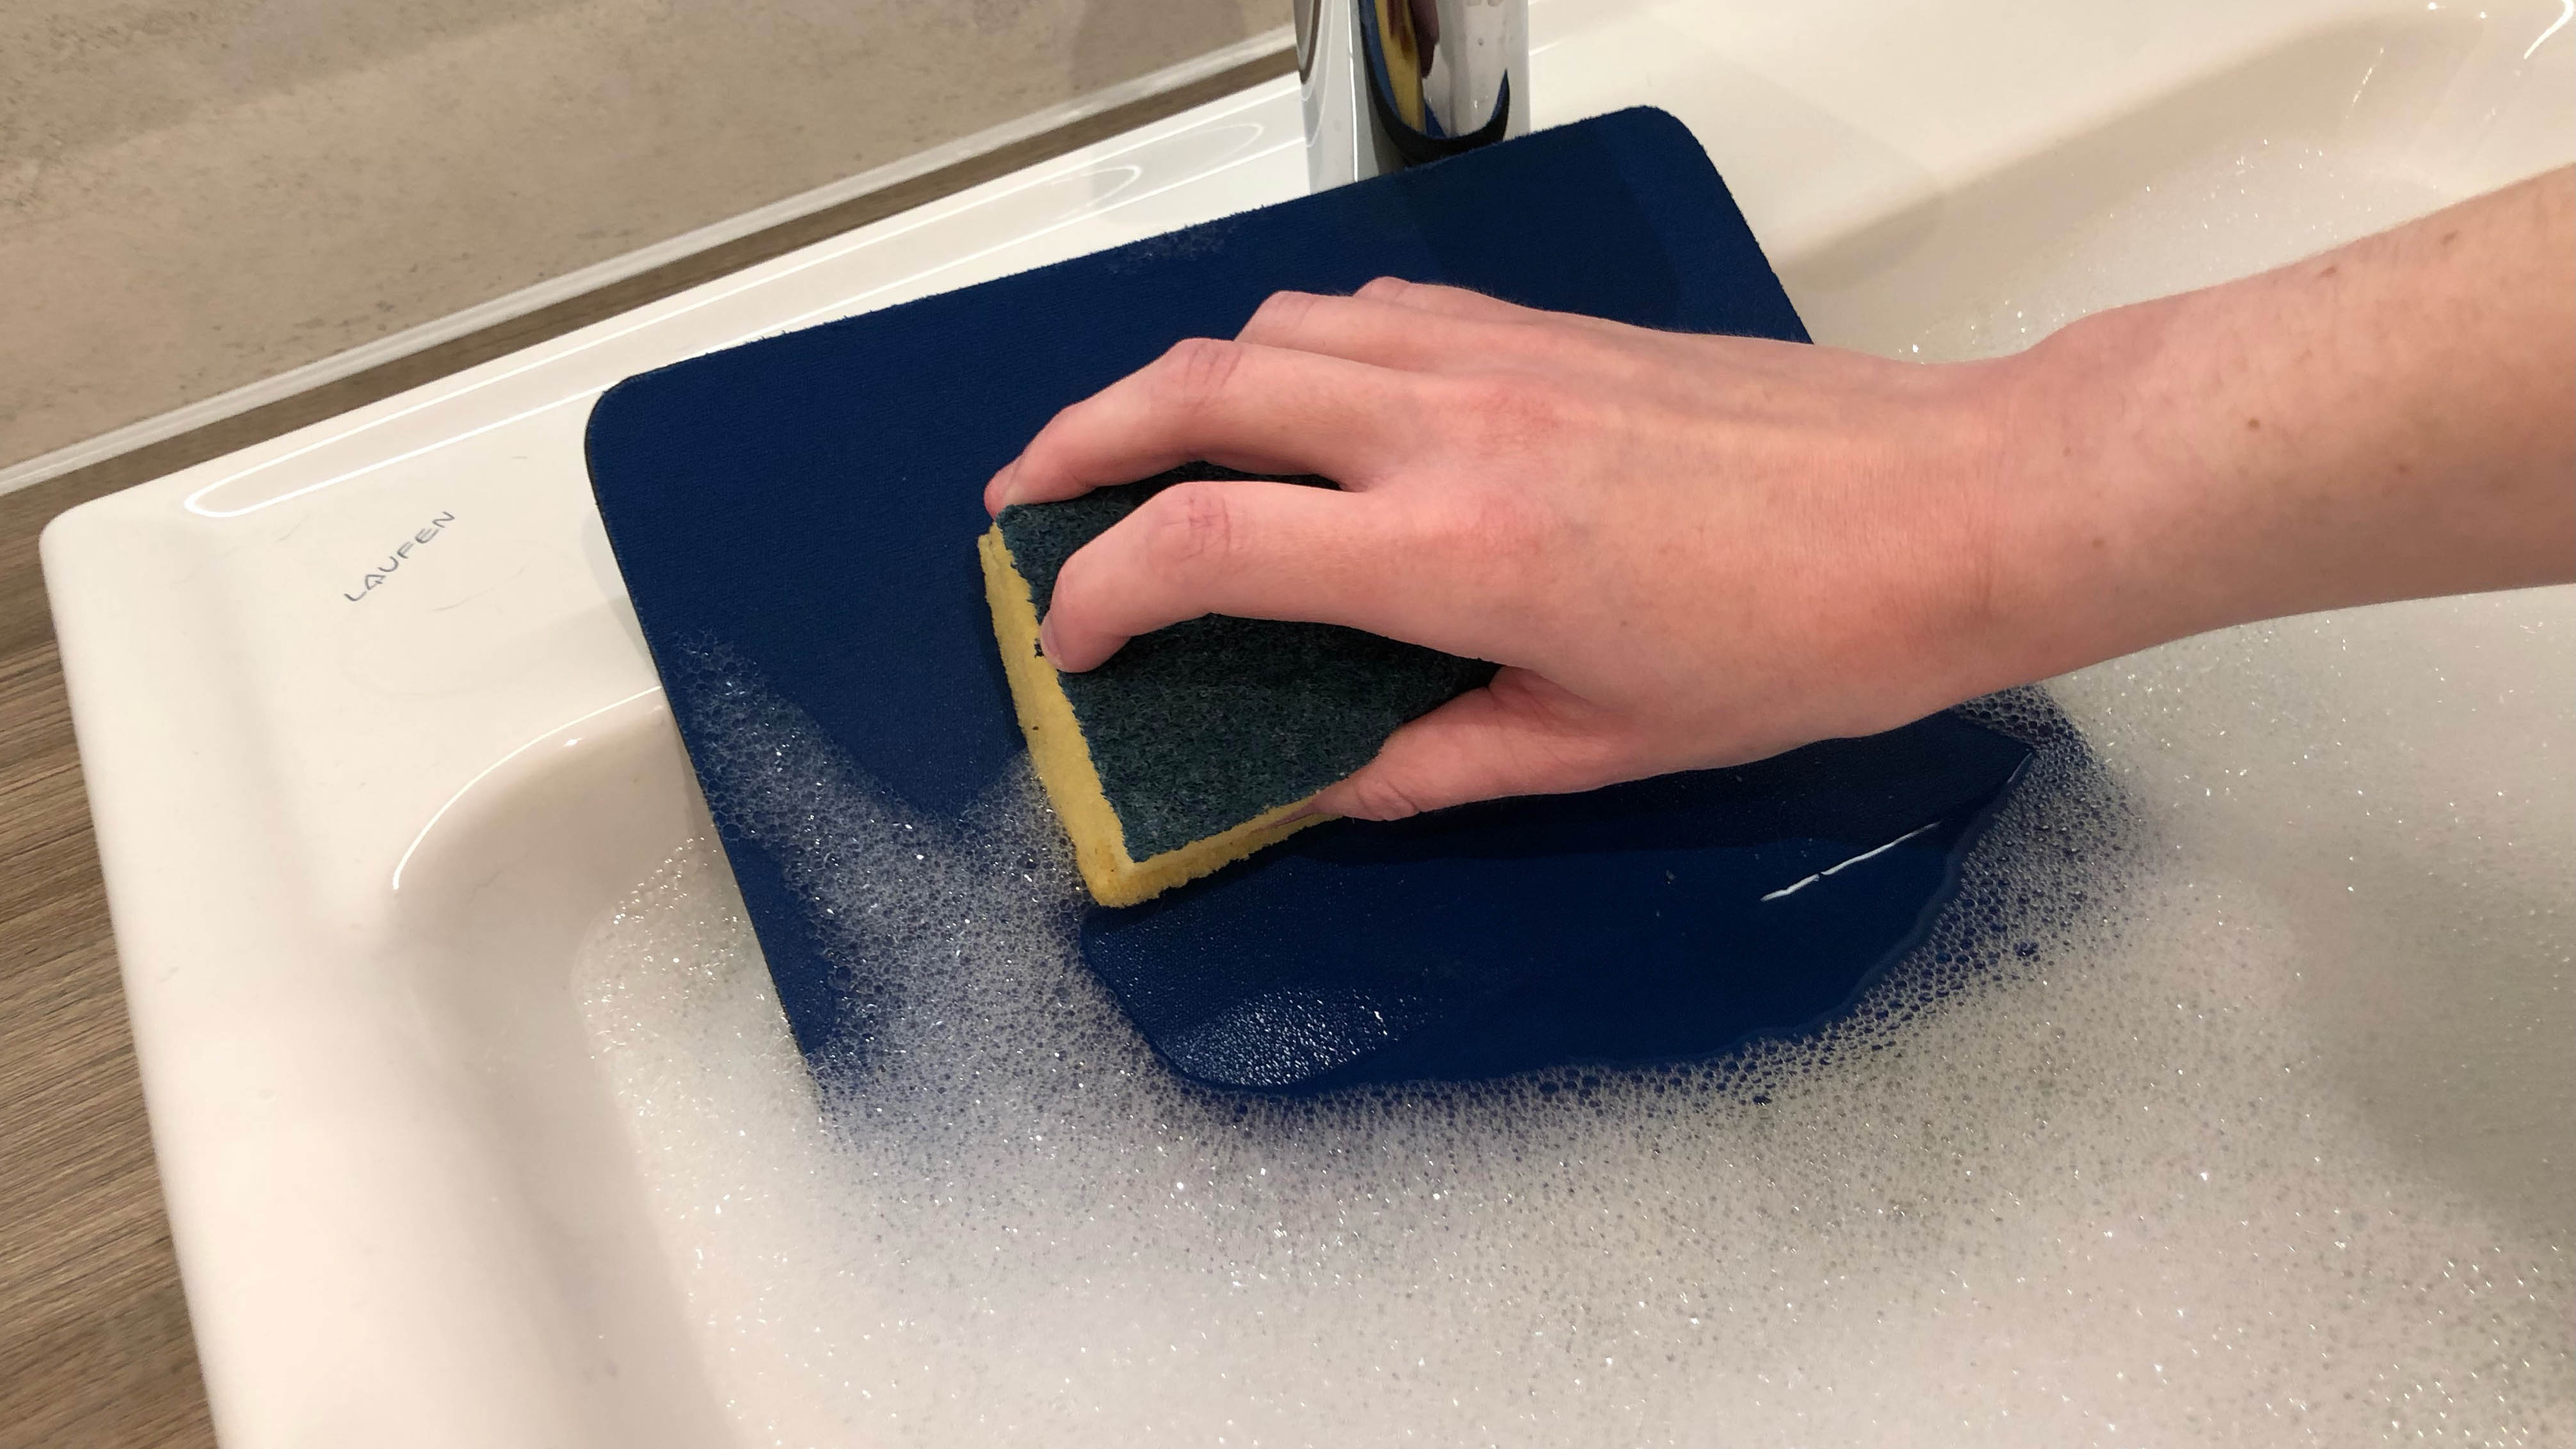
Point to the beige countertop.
(211, 192)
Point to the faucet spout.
(1393, 83)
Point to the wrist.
(2102, 512)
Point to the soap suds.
(2079, 1172)
(2228, 1104)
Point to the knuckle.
(1282, 313)
(1371, 795)
(1191, 530)
(1194, 372)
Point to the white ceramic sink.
(354, 832)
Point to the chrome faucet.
(1393, 83)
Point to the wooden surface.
(94, 1346)
(94, 1343)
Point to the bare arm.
(2393, 419)
(1692, 551)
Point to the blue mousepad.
(806, 508)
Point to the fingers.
(1448, 301)
(1464, 305)
(1254, 550)
(1520, 735)
(1383, 334)
(1415, 328)
(1312, 384)
(1261, 409)
(1358, 331)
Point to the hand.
(1694, 551)
(1685, 551)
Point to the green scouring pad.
(1193, 746)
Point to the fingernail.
(1046, 641)
(1000, 487)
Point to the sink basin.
(394, 822)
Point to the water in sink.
(2231, 1106)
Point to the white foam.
(2232, 1105)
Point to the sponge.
(1197, 744)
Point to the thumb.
(1519, 735)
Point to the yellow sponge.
(1065, 768)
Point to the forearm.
(2393, 419)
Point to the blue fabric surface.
(806, 506)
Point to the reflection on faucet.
(1393, 83)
